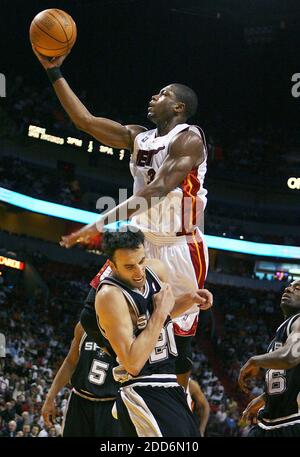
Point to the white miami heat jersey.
(181, 211)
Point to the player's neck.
(288, 312)
(164, 127)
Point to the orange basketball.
(53, 32)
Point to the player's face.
(161, 106)
(129, 266)
(291, 295)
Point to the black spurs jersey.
(92, 377)
(282, 387)
(162, 358)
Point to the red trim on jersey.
(190, 188)
(95, 281)
(196, 249)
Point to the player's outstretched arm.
(288, 356)
(62, 377)
(104, 130)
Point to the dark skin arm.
(104, 130)
(62, 377)
(284, 358)
(201, 403)
(186, 152)
(250, 413)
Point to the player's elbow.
(84, 123)
(133, 369)
(291, 361)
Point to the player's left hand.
(250, 413)
(249, 370)
(204, 299)
(84, 236)
(49, 412)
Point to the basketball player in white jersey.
(168, 165)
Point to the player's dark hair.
(124, 238)
(187, 96)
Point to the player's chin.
(151, 117)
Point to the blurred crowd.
(38, 329)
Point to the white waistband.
(159, 240)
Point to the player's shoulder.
(109, 293)
(190, 137)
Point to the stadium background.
(240, 58)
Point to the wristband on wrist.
(54, 74)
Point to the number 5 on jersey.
(98, 372)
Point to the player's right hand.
(49, 62)
(164, 299)
(249, 370)
(250, 413)
(49, 412)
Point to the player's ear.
(112, 265)
(179, 107)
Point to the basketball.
(53, 32)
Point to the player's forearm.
(133, 206)
(182, 304)
(204, 416)
(281, 359)
(71, 104)
(104, 130)
(144, 344)
(61, 379)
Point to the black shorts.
(149, 411)
(184, 361)
(290, 430)
(90, 418)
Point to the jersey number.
(151, 175)
(276, 381)
(166, 344)
(98, 372)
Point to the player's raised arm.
(104, 130)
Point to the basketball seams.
(50, 36)
(50, 14)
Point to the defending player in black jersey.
(135, 307)
(277, 411)
(89, 410)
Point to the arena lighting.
(86, 217)
(12, 263)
